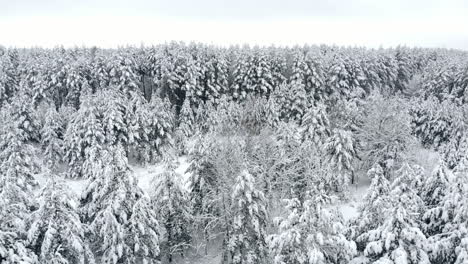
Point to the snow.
(349, 209)
(143, 174)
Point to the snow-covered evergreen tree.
(113, 108)
(247, 241)
(144, 233)
(52, 139)
(315, 124)
(173, 209)
(402, 187)
(186, 126)
(204, 186)
(186, 120)
(291, 100)
(55, 231)
(9, 76)
(397, 240)
(448, 223)
(436, 185)
(156, 122)
(311, 234)
(372, 211)
(340, 150)
(17, 181)
(111, 205)
(84, 139)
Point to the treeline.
(258, 126)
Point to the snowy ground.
(144, 175)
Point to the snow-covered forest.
(191, 153)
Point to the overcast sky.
(111, 23)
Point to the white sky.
(111, 23)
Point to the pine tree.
(291, 100)
(186, 120)
(448, 223)
(84, 139)
(340, 150)
(402, 187)
(215, 77)
(122, 72)
(144, 233)
(311, 233)
(186, 127)
(112, 205)
(397, 240)
(454, 151)
(308, 70)
(436, 185)
(372, 211)
(113, 107)
(315, 125)
(55, 231)
(173, 209)
(17, 183)
(156, 123)
(51, 139)
(205, 189)
(9, 76)
(247, 242)
(21, 110)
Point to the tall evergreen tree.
(173, 208)
(52, 139)
(247, 243)
(311, 234)
(111, 204)
(55, 231)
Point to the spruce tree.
(55, 231)
(173, 209)
(84, 139)
(315, 125)
(52, 139)
(311, 233)
(247, 241)
(111, 205)
(340, 150)
(397, 240)
(372, 211)
(17, 181)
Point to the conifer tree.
(205, 189)
(247, 242)
(84, 139)
(113, 108)
(111, 205)
(52, 139)
(156, 123)
(173, 209)
(311, 233)
(186, 126)
(372, 211)
(9, 76)
(17, 182)
(55, 231)
(315, 125)
(436, 185)
(340, 150)
(448, 223)
(397, 240)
